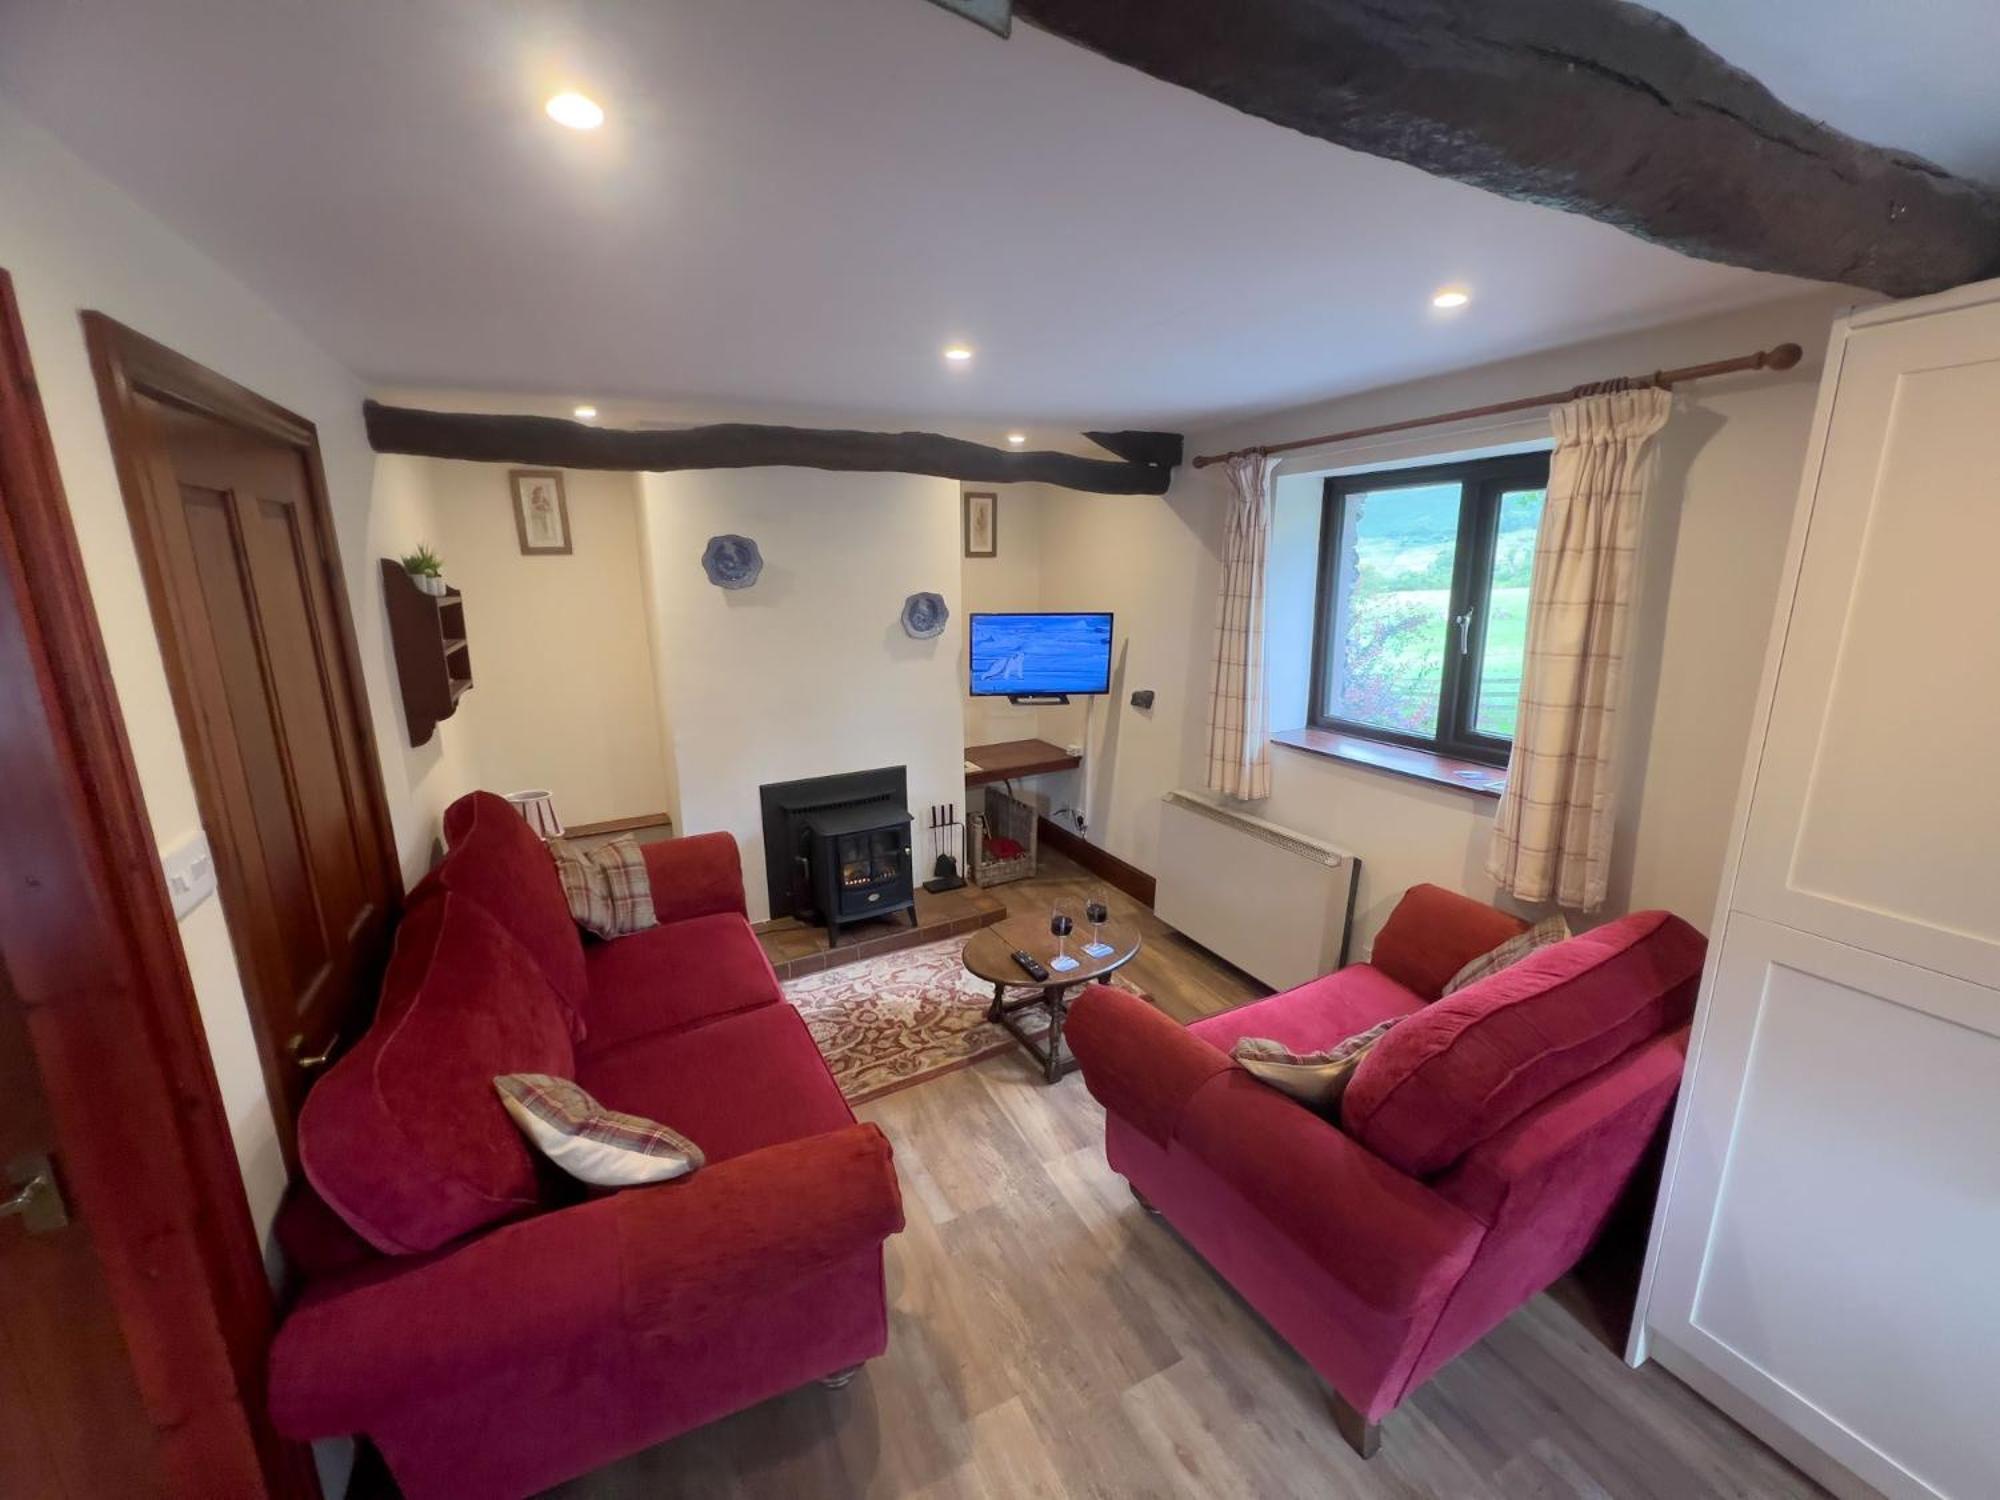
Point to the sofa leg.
(839, 1378)
(1144, 1202)
(1362, 1435)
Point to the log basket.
(1008, 822)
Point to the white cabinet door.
(1832, 1247)
(1876, 813)
(1826, 1260)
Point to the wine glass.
(1097, 910)
(1061, 924)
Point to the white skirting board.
(1275, 902)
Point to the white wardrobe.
(1826, 1261)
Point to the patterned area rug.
(897, 1019)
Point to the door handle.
(312, 1062)
(36, 1201)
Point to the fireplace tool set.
(944, 847)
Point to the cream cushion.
(1315, 1079)
(593, 1144)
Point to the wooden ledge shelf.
(433, 662)
(1397, 760)
(1006, 759)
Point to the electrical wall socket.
(190, 872)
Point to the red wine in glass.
(1098, 911)
(1061, 925)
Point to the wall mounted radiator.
(1275, 903)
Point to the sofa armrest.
(699, 875)
(1139, 1064)
(1398, 1245)
(792, 1211)
(673, 1259)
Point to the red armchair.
(496, 1329)
(1481, 1145)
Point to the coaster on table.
(1063, 965)
(1099, 950)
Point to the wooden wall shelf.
(433, 660)
(1007, 759)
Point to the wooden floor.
(1049, 1338)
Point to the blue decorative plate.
(732, 562)
(924, 616)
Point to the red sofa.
(490, 1324)
(1481, 1145)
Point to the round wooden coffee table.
(990, 956)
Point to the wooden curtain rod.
(1781, 358)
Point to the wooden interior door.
(229, 508)
(71, 1420)
(135, 1310)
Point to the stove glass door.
(886, 847)
(857, 865)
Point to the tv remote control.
(1032, 965)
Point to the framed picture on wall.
(982, 523)
(541, 511)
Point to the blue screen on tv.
(1036, 654)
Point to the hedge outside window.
(1422, 612)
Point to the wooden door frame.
(94, 955)
(130, 367)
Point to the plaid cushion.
(1315, 1079)
(591, 1143)
(1544, 934)
(606, 886)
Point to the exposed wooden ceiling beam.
(1145, 465)
(1597, 107)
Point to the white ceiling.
(1915, 74)
(796, 203)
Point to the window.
(1423, 604)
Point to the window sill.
(1397, 760)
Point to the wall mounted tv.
(1040, 656)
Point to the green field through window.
(1393, 625)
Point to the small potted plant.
(425, 570)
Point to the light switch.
(190, 870)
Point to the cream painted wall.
(653, 591)
(1728, 475)
(809, 672)
(1151, 562)
(563, 691)
(73, 241)
(442, 769)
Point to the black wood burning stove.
(858, 863)
(837, 848)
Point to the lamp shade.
(539, 808)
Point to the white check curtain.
(1239, 713)
(1552, 834)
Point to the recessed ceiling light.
(585, 413)
(1017, 438)
(1450, 297)
(576, 111)
(958, 354)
